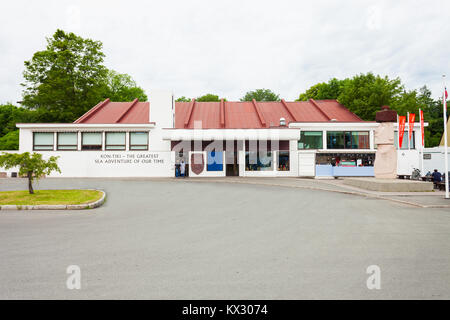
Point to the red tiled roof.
(224, 114)
(117, 112)
(254, 115)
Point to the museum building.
(314, 138)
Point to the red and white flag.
(401, 130)
(411, 120)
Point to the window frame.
(130, 146)
(348, 134)
(115, 145)
(66, 145)
(405, 136)
(210, 167)
(289, 160)
(247, 156)
(91, 145)
(43, 145)
(321, 138)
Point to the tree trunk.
(30, 182)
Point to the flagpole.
(409, 132)
(445, 141)
(421, 144)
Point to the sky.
(230, 47)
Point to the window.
(346, 159)
(91, 141)
(360, 140)
(215, 161)
(348, 140)
(335, 140)
(138, 140)
(43, 140)
(405, 140)
(311, 140)
(67, 141)
(283, 161)
(258, 161)
(115, 141)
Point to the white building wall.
(25, 140)
(162, 113)
(435, 159)
(91, 164)
(408, 160)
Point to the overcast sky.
(230, 47)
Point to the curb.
(90, 205)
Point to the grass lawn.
(49, 197)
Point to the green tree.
(66, 79)
(261, 95)
(433, 114)
(364, 94)
(10, 115)
(121, 87)
(10, 141)
(325, 90)
(31, 165)
(209, 97)
(182, 99)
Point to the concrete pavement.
(188, 239)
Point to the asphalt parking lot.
(181, 239)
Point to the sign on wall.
(115, 164)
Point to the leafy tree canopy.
(68, 78)
(182, 99)
(364, 94)
(325, 90)
(209, 97)
(261, 95)
(10, 115)
(121, 87)
(31, 165)
(10, 141)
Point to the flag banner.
(446, 94)
(401, 130)
(412, 119)
(422, 128)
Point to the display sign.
(197, 163)
(128, 158)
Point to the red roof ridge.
(91, 112)
(314, 103)
(189, 114)
(222, 113)
(133, 103)
(260, 116)
(288, 109)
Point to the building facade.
(254, 139)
